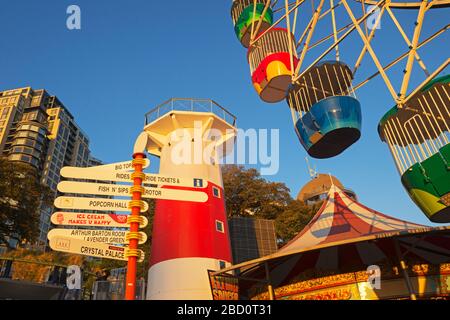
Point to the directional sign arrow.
(117, 166)
(110, 175)
(93, 219)
(96, 235)
(99, 250)
(101, 204)
(122, 190)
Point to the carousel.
(351, 252)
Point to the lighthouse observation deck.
(191, 105)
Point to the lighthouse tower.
(189, 238)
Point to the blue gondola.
(328, 116)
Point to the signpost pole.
(136, 203)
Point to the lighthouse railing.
(190, 104)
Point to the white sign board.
(98, 250)
(118, 176)
(93, 219)
(95, 235)
(101, 204)
(105, 189)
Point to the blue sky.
(131, 55)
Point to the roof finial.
(332, 182)
(312, 172)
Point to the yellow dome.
(319, 185)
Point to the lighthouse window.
(222, 264)
(216, 192)
(219, 226)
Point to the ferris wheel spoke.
(258, 26)
(412, 4)
(363, 9)
(335, 34)
(402, 56)
(288, 24)
(408, 42)
(294, 26)
(281, 8)
(325, 52)
(369, 38)
(315, 19)
(255, 31)
(252, 30)
(427, 80)
(318, 42)
(369, 48)
(282, 18)
(411, 55)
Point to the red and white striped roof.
(341, 218)
(345, 234)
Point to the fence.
(115, 290)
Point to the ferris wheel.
(299, 51)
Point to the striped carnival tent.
(341, 241)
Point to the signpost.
(98, 250)
(100, 242)
(101, 204)
(119, 176)
(105, 189)
(96, 235)
(93, 219)
(138, 179)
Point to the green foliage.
(293, 219)
(105, 265)
(248, 194)
(31, 265)
(146, 247)
(21, 197)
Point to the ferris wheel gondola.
(327, 111)
(272, 65)
(418, 137)
(246, 15)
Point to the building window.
(216, 192)
(219, 226)
(222, 264)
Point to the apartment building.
(37, 129)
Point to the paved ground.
(24, 290)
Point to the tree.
(293, 219)
(146, 247)
(248, 194)
(105, 265)
(21, 198)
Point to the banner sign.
(223, 287)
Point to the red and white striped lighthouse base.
(181, 279)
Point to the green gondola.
(244, 15)
(418, 136)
